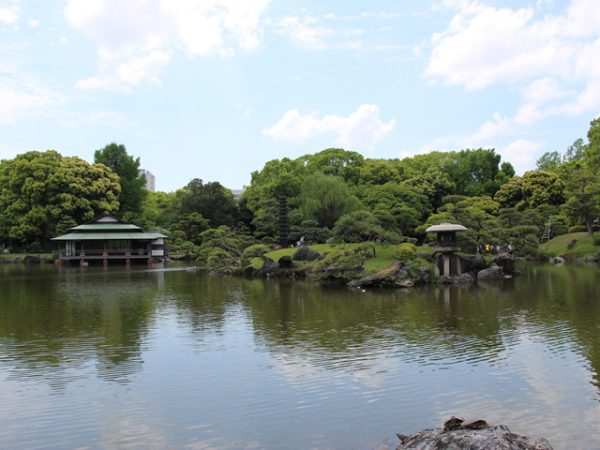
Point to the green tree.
(404, 204)
(133, 192)
(362, 226)
(434, 184)
(214, 202)
(379, 171)
(191, 225)
(583, 197)
(478, 172)
(158, 210)
(549, 161)
(533, 189)
(259, 203)
(336, 162)
(592, 150)
(42, 190)
(325, 199)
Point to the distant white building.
(150, 180)
(236, 193)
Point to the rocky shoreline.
(402, 274)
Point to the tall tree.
(549, 161)
(133, 192)
(213, 201)
(42, 193)
(325, 198)
(335, 161)
(533, 189)
(478, 172)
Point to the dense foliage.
(44, 193)
(133, 192)
(334, 195)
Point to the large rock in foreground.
(491, 438)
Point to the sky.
(213, 89)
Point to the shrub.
(220, 259)
(577, 229)
(267, 240)
(255, 251)
(406, 252)
(341, 264)
(596, 238)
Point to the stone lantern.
(447, 263)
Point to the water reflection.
(112, 358)
(52, 323)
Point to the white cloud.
(543, 90)
(24, 97)
(484, 45)
(554, 61)
(119, 72)
(522, 153)
(361, 129)
(305, 32)
(135, 45)
(9, 14)
(33, 23)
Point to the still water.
(137, 358)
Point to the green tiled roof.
(105, 227)
(93, 236)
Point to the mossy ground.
(559, 246)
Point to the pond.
(139, 358)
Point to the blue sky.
(213, 89)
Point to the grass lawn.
(584, 246)
(385, 255)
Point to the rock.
(557, 260)
(571, 244)
(475, 263)
(476, 435)
(30, 259)
(285, 262)
(392, 276)
(306, 254)
(592, 260)
(424, 275)
(453, 423)
(494, 272)
(506, 261)
(465, 278)
(268, 269)
(249, 271)
(405, 283)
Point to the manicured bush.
(267, 240)
(255, 251)
(406, 252)
(596, 238)
(577, 229)
(341, 264)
